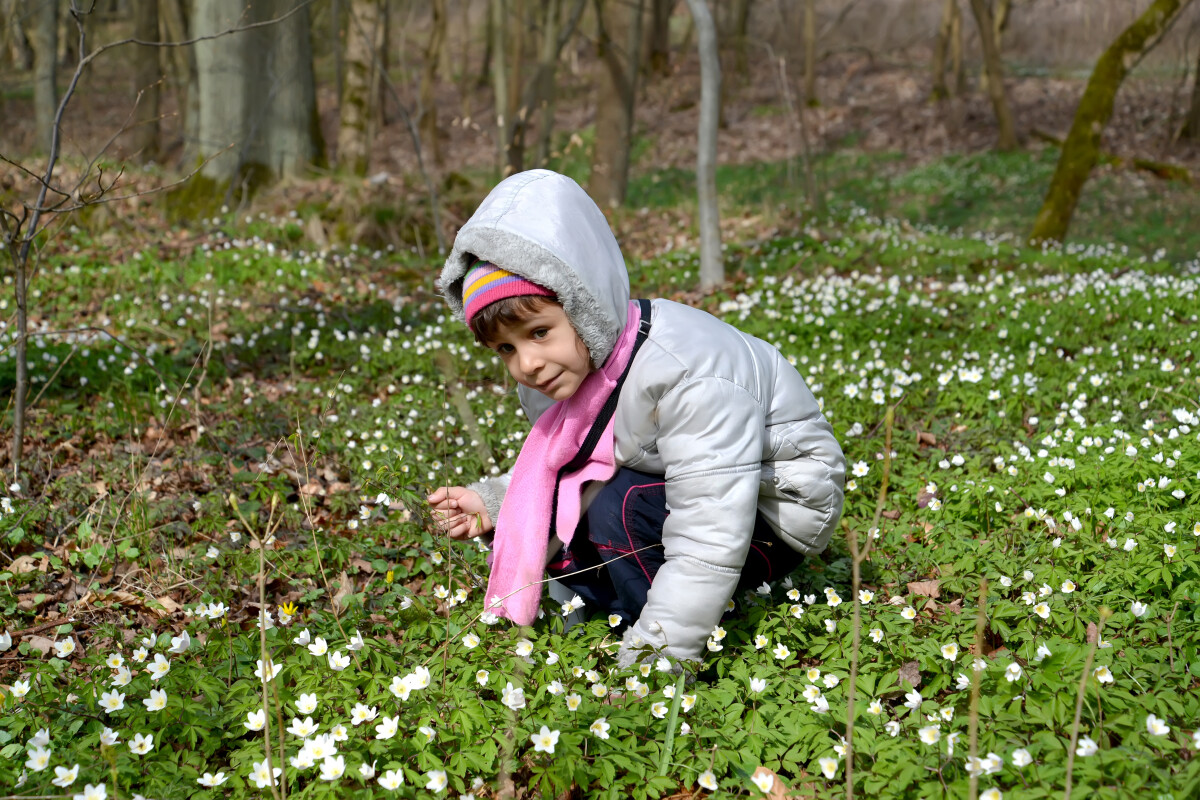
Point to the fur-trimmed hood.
(543, 226)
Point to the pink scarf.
(523, 528)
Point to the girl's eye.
(504, 349)
(540, 333)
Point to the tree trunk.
(43, 38)
(184, 77)
(360, 68)
(741, 25)
(712, 268)
(1082, 149)
(1003, 15)
(543, 95)
(147, 80)
(14, 35)
(810, 53)
(619, 38)
(257, 100)
(428, 116)
(941, 47)
(515, 145)
(539, 92)
(489, 43)
(1191, 123)
(498, 46)
(956, 52)
(292, 126)
(658, 39)
(995, 71)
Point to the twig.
(1105, 613)
(856, 559)
(265, 668)
(1170, 642)
(976, 680)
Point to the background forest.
(227, 382)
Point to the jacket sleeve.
(710, 442)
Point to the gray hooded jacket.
(720, 414)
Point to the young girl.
(680, 456)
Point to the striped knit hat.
(486, 283)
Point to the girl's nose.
(530, 361)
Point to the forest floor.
(245, 411)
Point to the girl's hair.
(508, 311)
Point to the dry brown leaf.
(23, 564)
(363, 566)
(926, 439)
(168, 603)
(925, 588)
(344, 588)
(910, 672)
(41, 643)
(312, 489)
(1093, 633)
(892, 514)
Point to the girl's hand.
(460, 512)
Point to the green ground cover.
(258, 441)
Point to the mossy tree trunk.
(956, 53)
(147, 80)
(42, 16)
(428, 115)
(1000, 21)
(1081, 150)
(13, 35)
(810, 53)
(1191, 123)
(1007, 132)
(740, 29)
(941, 47)
(658, 37)
(360, 73)
(619, 39)
(498, 12)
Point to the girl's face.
(542, 351)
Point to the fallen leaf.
(1093, 633)
(910, 673)
(23, 564)
(168, 603)
(363, 566)
(925, 588)
(926, 439)
(41, 643)
(892, 514)
(344, 588)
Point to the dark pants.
(623, 530)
